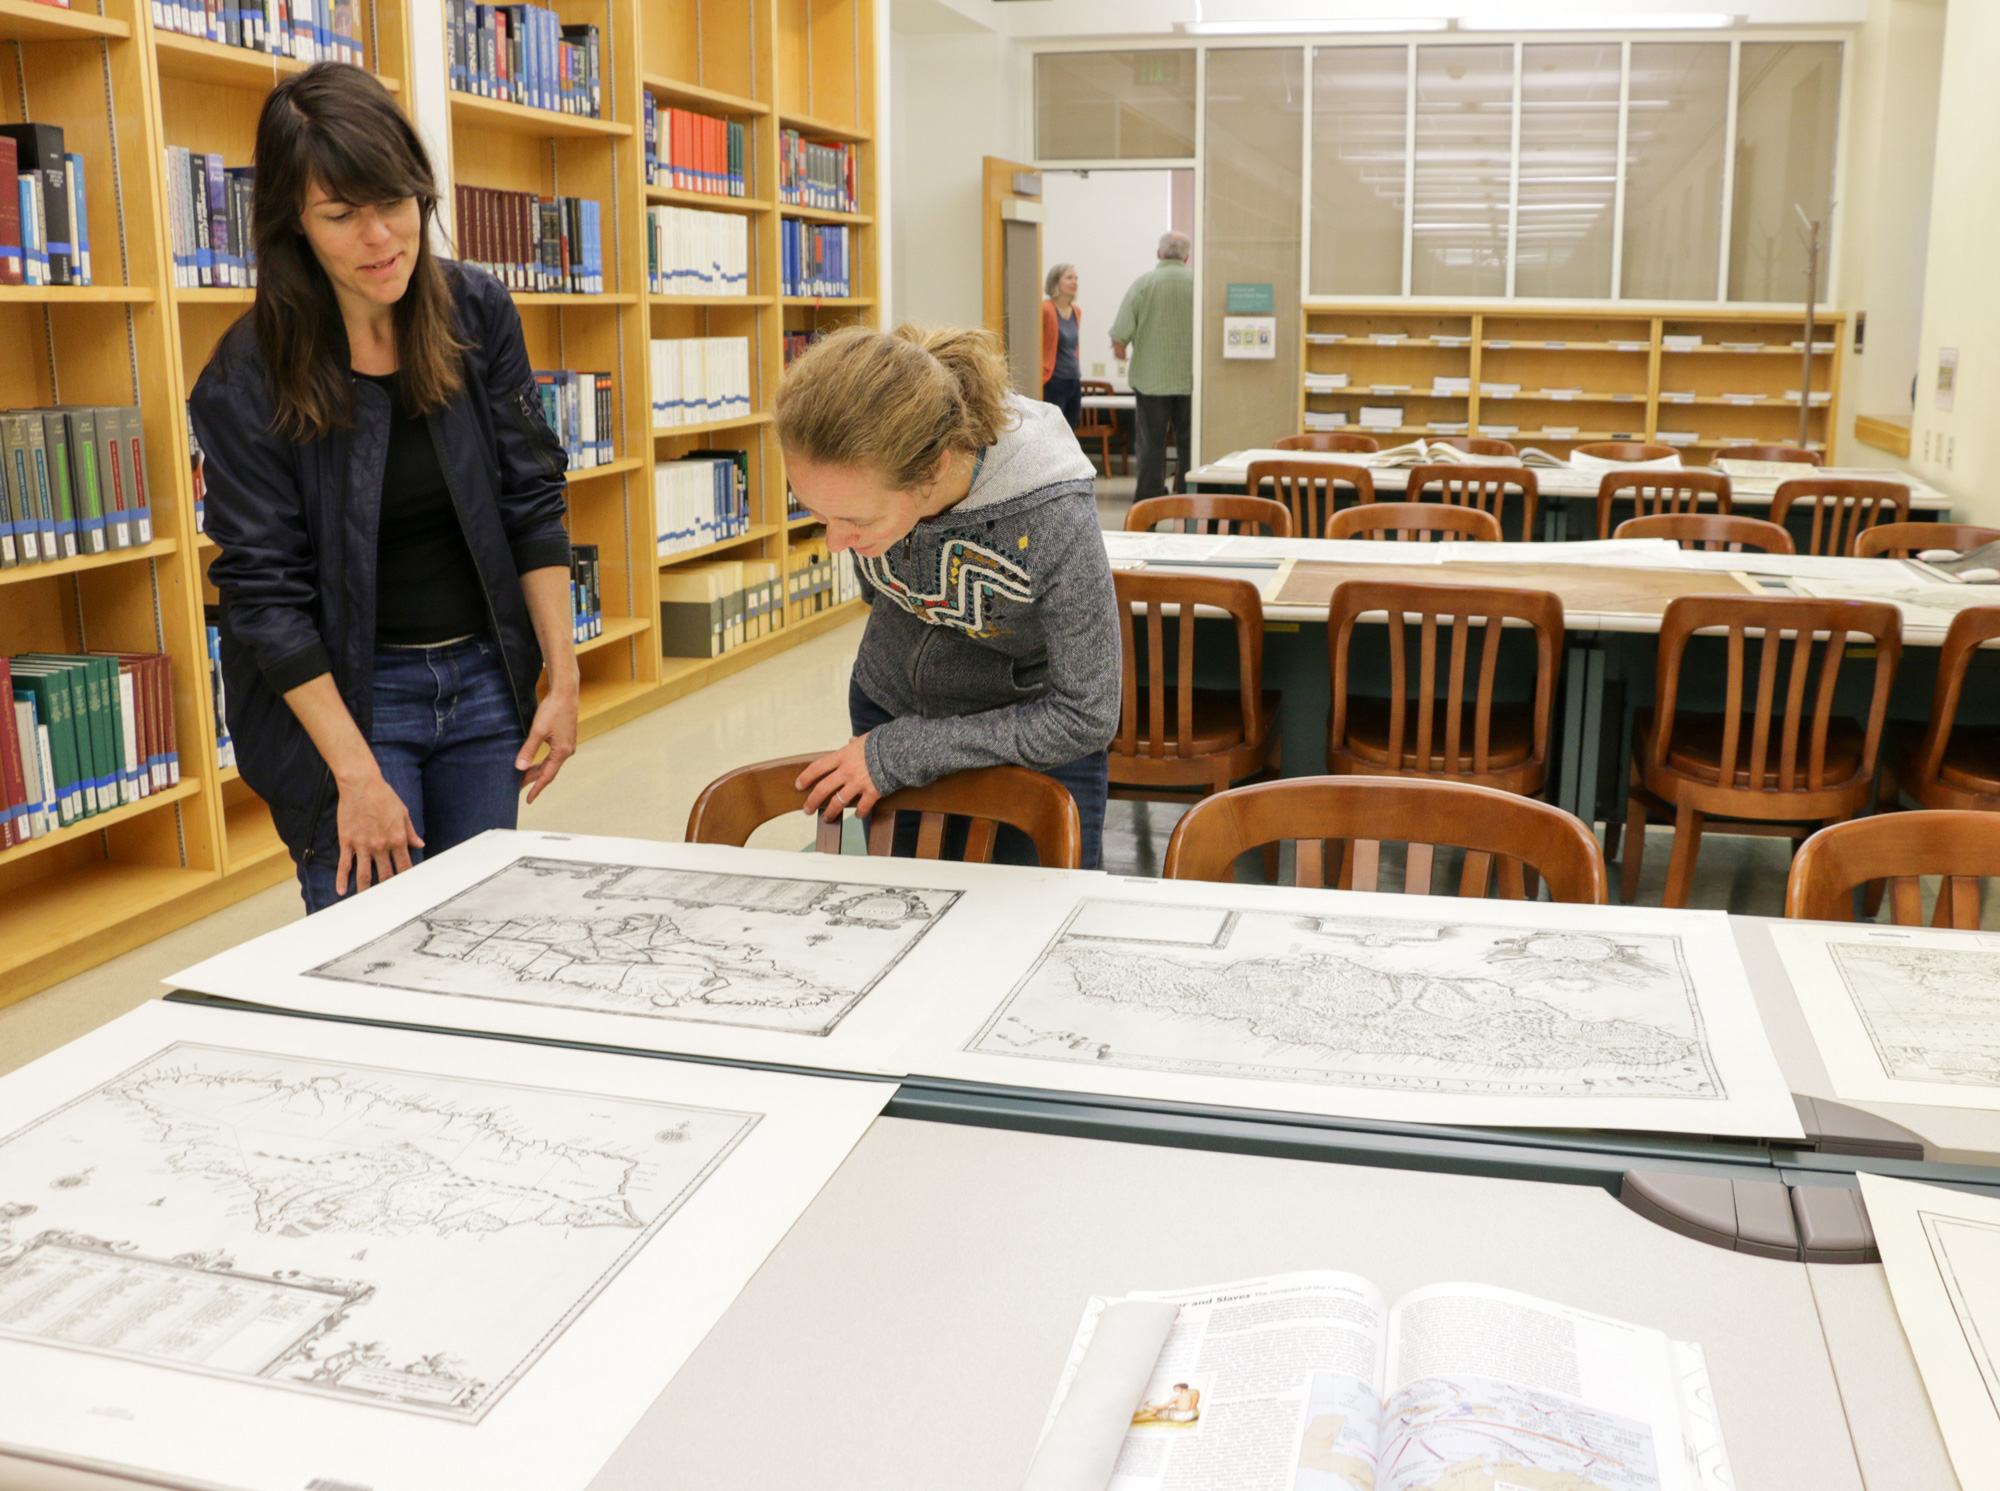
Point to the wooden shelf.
(1512, 344)
(166, 797)
(825, 215)
(211, 295)
(616, 629)
(625, 698)
(834, 302)
(227, 775)
(718, 302)
(1637, 400)
(701, 98)
(1794, 353)
(159, 548)
(565, 300)
(751, 535)
(1348, 344)
(252, 836)
(1890, 432)
(519, 119)
(23, 20)
(72, 920)
(674, 432)
(79, 294)
(668, 196)
(806, 124)
(623, 466)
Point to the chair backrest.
(1414, 520)
(1797, 454)
(1651, 493)
(1327, 441)
(1309, 488)
(1478, 445)
(736, 804)
(1204, 514)
(1709, 531)
(1841, 507)
(1907, 540)
(1145, 599)
(1959, 846)
(1443, 617)
(1364, 811)
(1788, 731)
(1969, 628)
(1483, 487)
(1624, 450)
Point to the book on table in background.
(225, 743)
(523, 54)
(208, 221)
(531, 242)
(85, 733)
(309, 30)
(813, 259)
(699, 380)
(693, 252)
(72, 482)
(577, 406)
(586, 600)
(815, 173)
(692, 152)
(713, 608)
(1436, 453)
(52, 234)
(700, 499)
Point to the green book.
(20, 489)
(55, 438)
(100, 736)
(86, 457)
(49, 688)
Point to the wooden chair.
(736, 804)
(1227, 514)
(1842, 506)
(1958, 847)
(1309, 488)
(1478, 445)
(1625, 450)
(1363, 811)
(1095, 426)
(1907, 540)
(1327, 441)
(1415, 520)
(1796, 454)
(1433, 725)
(1946, 764)
(1481, 487)
(1771, 760)
(1709, 531)
(1654, 493)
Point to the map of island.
(1421, 1006)
(772, 952)
(335, 1228)
(1932, 1014)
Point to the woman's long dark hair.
(335, 126)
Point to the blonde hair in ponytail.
(896, 402)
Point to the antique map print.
(1386, 1003)
(335, 1228)
(766, 951)
(1932, 1014)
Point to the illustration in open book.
(773, 952)
(334, 1228)
(1409, 1005)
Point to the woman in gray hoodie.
(993, 636)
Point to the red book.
(11, 266)
(13, 780)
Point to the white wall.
(1108, 224)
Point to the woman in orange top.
(1062, 374)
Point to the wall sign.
(1250, 336)
(1250, 300)
(1947, 384)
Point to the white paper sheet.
(1900, 1014)
(1120, 544)
(1941, 1251)
(1620, 553)
(1925, 605)
(1816, 566)
(804, 959)
(263, 1252)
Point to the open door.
(1011, 232)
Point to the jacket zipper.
(485, 590)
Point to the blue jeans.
(1088, 779)
(446, 733)
(1067, 395)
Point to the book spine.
(137, 489)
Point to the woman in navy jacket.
(389, 501)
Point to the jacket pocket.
(526, 407)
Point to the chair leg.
(1687, 848)
(1635, 850)
(1612, 828)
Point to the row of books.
(702, 498)
(82, 734)
(709, 609)
(524, 54)
(310, 30)
(817, 579)
(697, 380)
(578, 407)
(44, 220)
(225, 743)
(586, 600)
(532, 242)
(74, 483)
(796, 343)
(692, 152)
(813, 259)
(209, 220)
(815, 173)
(691, 252)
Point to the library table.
(1124, 401)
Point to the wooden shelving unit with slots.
(1608, 373)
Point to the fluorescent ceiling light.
(1598, 20)
(1313, 27)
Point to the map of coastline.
(1932, 1014)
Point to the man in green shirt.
(1155, 329)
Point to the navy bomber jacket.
(297, 526)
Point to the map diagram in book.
(1967, 1255)
(1337, 1450)
(1388, 1003)
(1476, 1434)
(769, 951)
(1932, 1014)
(334, 1228)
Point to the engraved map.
(1932, 1014)
(767, 951)
(1377, 1002)
(335, 1228)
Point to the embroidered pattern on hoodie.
(969, 575)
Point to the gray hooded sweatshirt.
(993, 634)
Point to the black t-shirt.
(426, 586)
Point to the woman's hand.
(376, 834)
(555, 727)
(839, 780)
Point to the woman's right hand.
(376, 834)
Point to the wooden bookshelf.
(1628, 383)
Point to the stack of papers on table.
(1583, 461)
(1619, 553)
(1922, 605)
(1541, 459)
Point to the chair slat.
(881, 833)
(1906, 900)
(1310, 869)
(1367, 855)
(979, 841)
(1475, 873)
(1417, 868)
(827, 836)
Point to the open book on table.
(1437, 453)
(1317, 1382)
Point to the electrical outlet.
(1950, 450)
(1927, 444)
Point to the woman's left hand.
(554, 727)
(839, 780)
